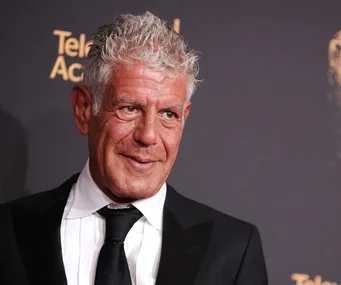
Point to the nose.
(146, 132)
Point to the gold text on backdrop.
(76, 48)
(304, 279)
(71, 47)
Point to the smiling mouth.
(139, 163)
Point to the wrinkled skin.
(134, 138)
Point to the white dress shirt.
(83, 230)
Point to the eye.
(169, 115)
(128, 112)
(129, 109)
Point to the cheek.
(104, 133)
(171, 140)
(114, 132)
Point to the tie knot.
(119, 222)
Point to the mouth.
(140, 163)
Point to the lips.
(140, 163)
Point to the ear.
(82, 108)
(187, 109)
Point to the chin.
(133, 190)
(140, 192)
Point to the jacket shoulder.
(196, 211)
(39, 200)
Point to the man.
(118, 222)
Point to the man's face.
(134, 138)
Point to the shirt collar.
(89, 198)
(152, 207)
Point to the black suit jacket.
(200, 246)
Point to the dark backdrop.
(261, 142)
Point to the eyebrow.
(177, 107)
(128, 101)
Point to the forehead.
(139, 79)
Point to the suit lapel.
(37, 229)
(38, 237)
(184, 244)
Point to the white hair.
(141, 39)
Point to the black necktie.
(112, 266)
